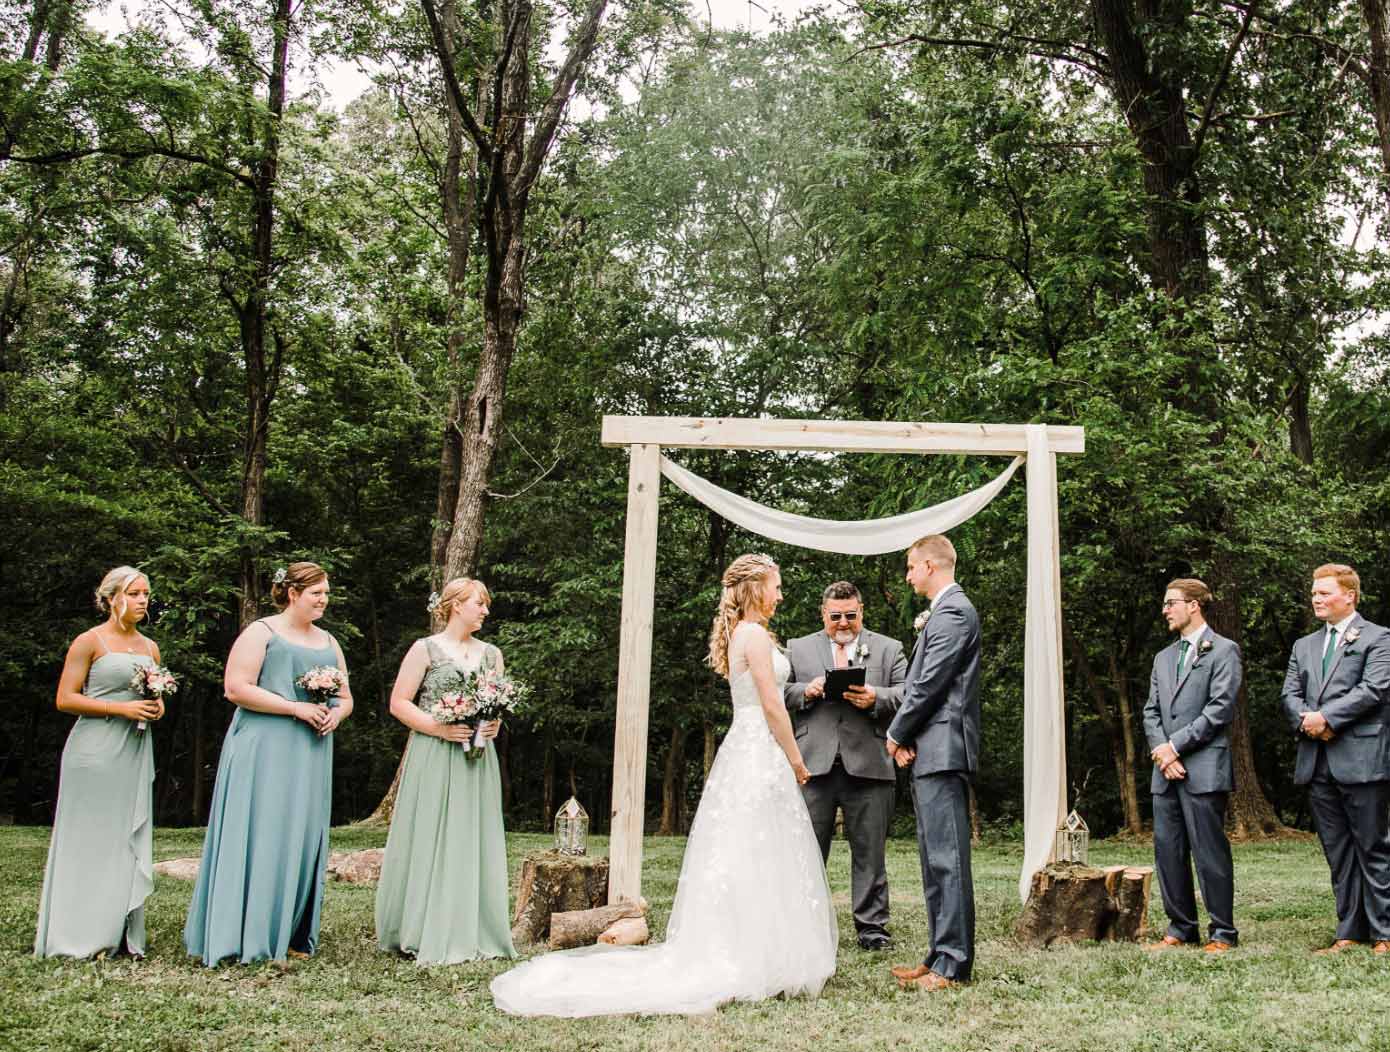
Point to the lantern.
(571, 828)
(1073, 840)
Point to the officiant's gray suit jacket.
(825, 728)
(1195, 713)
(1354, 698)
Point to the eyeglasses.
(1174, 602)
(836, 615)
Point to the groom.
(937, 731)
(840, 745)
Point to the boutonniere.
(920, 621)
(1204, 647)
(860, 652)
(1353, 634)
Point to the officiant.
(840, 734)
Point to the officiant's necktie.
(1331, 649)
(841, 658)
(1183, 648)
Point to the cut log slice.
(554, 883)
(584, 927)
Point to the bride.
(752, 917)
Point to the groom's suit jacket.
(824, 728)
(1195, 713)
(940, 712)
(1354, 698)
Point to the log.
(356, 867)
(178, 868)
(554, 883)
(630, 931)
(1071, 902)
(583, 927)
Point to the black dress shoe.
(875, 940)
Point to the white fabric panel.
(1044, 746)
(862, 537)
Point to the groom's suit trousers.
(942, 804)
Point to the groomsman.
(1192, 701)
(937, 733)
(842, 746)
(1337, 697)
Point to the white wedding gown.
(752, 917)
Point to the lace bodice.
(741, 684)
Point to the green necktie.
(1331, 649)
(1183, 647)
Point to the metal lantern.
(1073, 840)
(571, 828)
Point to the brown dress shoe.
(908, 972)
(1339, 946)
(931, 982)
(1381, 948)
(1168, 942)
(1217, 946)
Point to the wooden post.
(634, 676)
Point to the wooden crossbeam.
(840, 436)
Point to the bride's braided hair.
(743, 584)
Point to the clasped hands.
(1315, 726)
(902, 755)
(462, 733)
(861, 697)
(1168, 763)
(321, 718)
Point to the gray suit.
(842, 747)
(1348, 778)
(1195, 714)
(940, 718)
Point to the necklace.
(462, 652)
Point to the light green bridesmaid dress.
(443, 891)
(100, 857)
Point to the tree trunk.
(548, 807)
(1377, 16)
(670, 784)
(1117, 728)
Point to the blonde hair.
(1192, 589)
(110, 594)
(298, 576)
(744, 584)
(1345, 577)
(938, 548)
(456, 591)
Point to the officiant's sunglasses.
(836, 615)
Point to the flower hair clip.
(279, 577)
(432, 603)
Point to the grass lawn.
(1269, 994)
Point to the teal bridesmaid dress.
(442, 897)
(259, 892)
(100, 857)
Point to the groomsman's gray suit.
(1194, 712)
(940, 718)
(1348, 778)
(842, 747)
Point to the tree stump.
(554, 883)
(584, 927)
(1071, 902)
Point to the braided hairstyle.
(744, 584)
(456, 591)
(110, 594)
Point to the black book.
(838, 679)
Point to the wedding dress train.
(752, 916)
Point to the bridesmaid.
(259, 893)
(100, 858)
(443, 891)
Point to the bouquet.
(479, 696)
(151, 682)
(323, 684)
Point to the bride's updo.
(745, 588)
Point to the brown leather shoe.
(1218, 947)
(1381, 948)
(931, 982)
(1340, 946)
(1168, 942)
(909, 972)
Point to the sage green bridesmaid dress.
(442, 897)
(100, 857)
(259, 892)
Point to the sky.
(343, 81)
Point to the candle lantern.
(1073, 840)
(571, 828)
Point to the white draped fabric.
(1044, 757)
